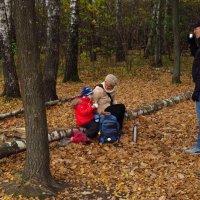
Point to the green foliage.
(98, 19)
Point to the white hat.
(111, 79)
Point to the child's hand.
(95, 105)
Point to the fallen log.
(10, 114)
(131, 114)
(50, 103)
(19, 145)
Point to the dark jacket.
(195, 51)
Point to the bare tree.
(52, 50)
(11, 86)
(36, 179)
(71, 68)
(176, 71)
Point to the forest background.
(144, 43)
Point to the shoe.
(194, 150)
(64, 142)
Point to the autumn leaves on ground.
(155, 168)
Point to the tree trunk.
(52, 50)
(120, 54)
(11, 85)
(157, 50)
(148, 49)
(36, 172)
(176, 71)
(165, 26)
(71, 69)
(92, 36)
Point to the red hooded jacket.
(84, 112)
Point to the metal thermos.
(135, 134)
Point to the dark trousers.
(92, 129)
(118, 110)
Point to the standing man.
(194, 42)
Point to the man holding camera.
(194, 42)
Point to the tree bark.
(157, 50)
(36, 170)
(52, 50)
(165, 26)
(120, 53)
(11, 85)
(176, 71)
(71, 69)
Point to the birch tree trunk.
(36, 179)
(11, 85)
(19, 145)
(71, 69)
(52, 50)
(10, 18)
(176, 70)
(120, 54)
(149, 46)
(157, 50)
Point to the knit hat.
(111, 79)
(196, 24)
(86, 91)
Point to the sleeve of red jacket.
(84, 109)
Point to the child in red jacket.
(84, 112)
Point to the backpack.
(109, 129)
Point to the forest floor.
(156, 168)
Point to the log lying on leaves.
(50, 103)
(158, 105)
(19, 145)
(14, 113)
